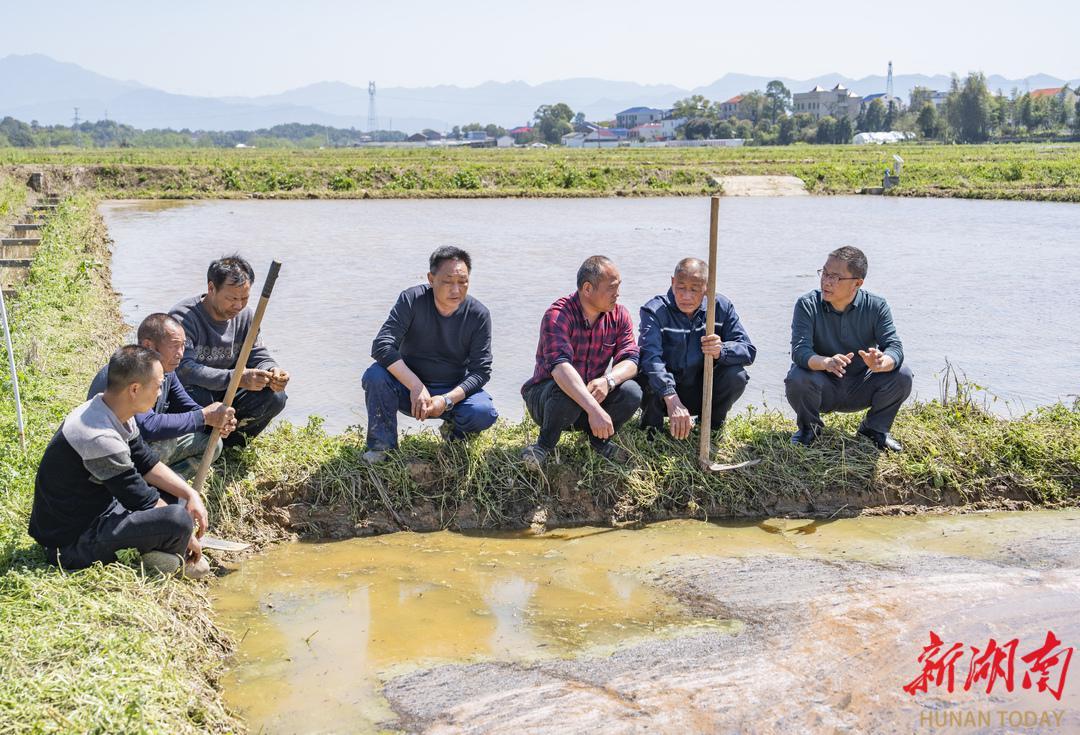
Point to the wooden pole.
(705, 422)
(238, 373)
(14, 375)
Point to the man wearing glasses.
(846, 354)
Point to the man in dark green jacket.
(846, 354)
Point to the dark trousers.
(158, 529)
(729, 382)
(385, 396)
(255, 409)
(814, 392)
(555, 412)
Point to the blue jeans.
(385, 395)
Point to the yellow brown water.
(323, 625)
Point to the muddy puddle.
(682, 626)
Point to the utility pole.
(75, 125)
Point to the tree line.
(970, 113)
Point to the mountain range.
(37, 87)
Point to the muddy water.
(993, 287)
(682, 626)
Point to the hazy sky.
(241, 47)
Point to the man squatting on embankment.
(101, 488)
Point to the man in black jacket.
(432, 358)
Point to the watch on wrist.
(610, 381)
(448, 401)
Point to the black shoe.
(884, 441)
(806, 437)
(610, 451)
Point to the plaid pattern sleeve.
(626, 347)
(564, 337)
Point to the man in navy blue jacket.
(673, 348)
(176, 428)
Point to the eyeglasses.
(834, 277)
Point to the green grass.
(957, 453)
(996, 171)
(106, 649)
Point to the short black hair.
(154, 327)
(855, 259)
(131, 364)
(230, 269)
(445, 253)
(591, 270)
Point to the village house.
(734, 108)
(820, 102)
(634, 116)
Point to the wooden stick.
(14, 375)
(238, 373)
(705, 423)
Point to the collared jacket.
(670, 341)
(819, 329)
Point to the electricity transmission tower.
(372, 119)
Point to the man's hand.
(197, 511)
(712, 345)
(420, 401)
(436, 407)
(219, 416)
(600, 424)
(278, 379)
(877, 361)
(679, 421)
(837, 364)
(194, 551)
(598, 389)
(254, 379)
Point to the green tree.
(697, 128)
(553, 121)
(752, 106)
(723, 130)
(928, 121)
(826, 129)
(744, 130)
(778, 100)
(969, 114)
(918, 97)
(786, 132)
(873, 117)
(694, 107)
(843, 131)
(1076, 117)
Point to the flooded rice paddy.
(993, 287)
(683, 626)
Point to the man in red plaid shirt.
(572, 385)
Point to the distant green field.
(1009, 171)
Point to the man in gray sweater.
(215, 326)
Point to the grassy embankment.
(107, 650)
(1048, 172)
(104, 650)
